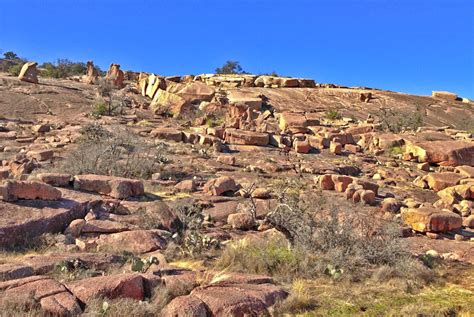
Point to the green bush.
(333, 114)
(395, 150)
(15, 69)
(100, 109)
(215, 121)
(64, 68)
(109, 102)
(230, 67)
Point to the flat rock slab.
(222, 210)
(239, 299)
(116, 187)
(42, 264)
(136, 241)
(104, 226)
(244, 137)
(14, 271)
(14, 190)
(27, 219)
(157, 211)
(232, 294)
(113, 286)
(53, 297)
(440, 181)
(452, 153)
(186, 306)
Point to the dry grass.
(322, 298)
(126, 307)
(120, 307)
(272, 257)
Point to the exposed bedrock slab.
(27, 219)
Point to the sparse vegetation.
(116, 153)
(215, 121)
(317, 297)
(108, 102)
(64, 68)
(395, 151)
(396, 121)
(12, 63)
(120, 307)
(271, 257)
(333, 114)
(354, 242)
(15, 69)
(334, 256)
(190, 239)
(230, 67)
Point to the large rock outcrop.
(20, 223)
(14, 190)
(451, 153)
(429, 219)
(29, 73)
(53, 297)
(115, 76)
(116, 187)
(91, 74)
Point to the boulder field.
(111, 195)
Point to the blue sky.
(410, 46)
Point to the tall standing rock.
(29, 73)
(91, 74)
(115, 75)
(142, 83)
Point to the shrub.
(64, 68)
(15, 69)
(395, 151)
(100, 109)
(10, 56)
(346, 242)
(108, 103)
(230, 67)
(396, 121)
(190, 239)
(333, 114)
(118, 154)
(215, 121)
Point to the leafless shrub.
(396, 121)
(109, 102)
(117, 153)
(346, 242)
(250, 204)
(190, 239)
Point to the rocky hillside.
(232, 195)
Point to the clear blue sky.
(411, 46)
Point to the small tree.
(10, 56)
(230, 67)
